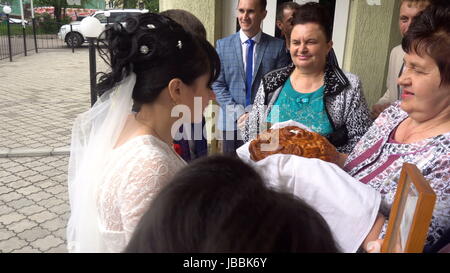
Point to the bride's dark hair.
(157, 50)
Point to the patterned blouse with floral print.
(344, 102)
(377, 161)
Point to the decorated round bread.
(293, 140)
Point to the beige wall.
(208, 11)
(372, 33)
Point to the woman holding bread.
(312, 90)
(417, 129)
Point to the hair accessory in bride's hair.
(144, 49)
(151, 26)
(180, 45)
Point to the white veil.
(94, 135)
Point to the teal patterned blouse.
(308, 109)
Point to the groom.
(246, 57)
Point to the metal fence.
(23, 40)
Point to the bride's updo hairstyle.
(157, 50)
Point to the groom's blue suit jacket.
(230, 86)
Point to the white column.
(268, 25)
(340, 29)
(21, 13)
(32, 9)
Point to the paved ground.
(41, 94)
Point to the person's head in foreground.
(220, 204)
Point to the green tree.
(151, 5)
(126, 4)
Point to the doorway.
(339, 11)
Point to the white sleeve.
(348, 206)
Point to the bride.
(120, 159)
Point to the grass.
(16, 29)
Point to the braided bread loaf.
(296, 141)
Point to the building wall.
(208, 11)
(372, 33)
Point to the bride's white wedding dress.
(110, 188)
(134, 174)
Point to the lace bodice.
(134, 174)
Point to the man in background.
(246, 57)
(285, 13)
(408, 10)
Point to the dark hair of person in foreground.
(221, 205)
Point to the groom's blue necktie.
(249, 72)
